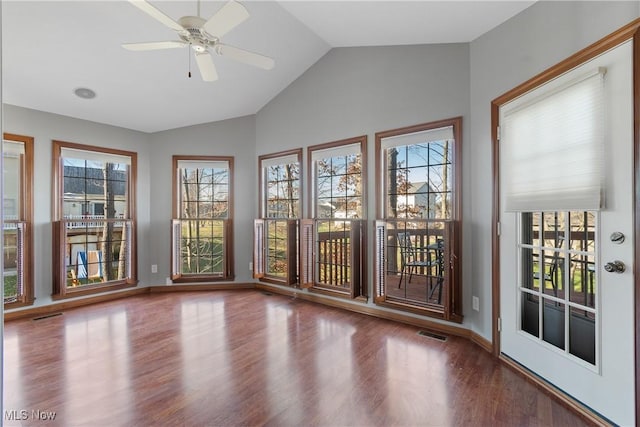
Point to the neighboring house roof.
(419, 187)
(80, 180)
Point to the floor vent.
(266, 293)
(47, 316)
(433, 335)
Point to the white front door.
(564, 315)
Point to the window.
(202, 227)
(96, 251)
(557, 253)
(335, 237)
(17, 157)
(417, 237)
(276, 232)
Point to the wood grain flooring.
(244, 358)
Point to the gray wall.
(235, 137)
(45, 127)
(348, 92)
(364, 90)
(539, 37)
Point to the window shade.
(11, 147)
(277, 161)
(342, 150)
(94, 156)
(422, 137)
(203, 164)
(552, 147)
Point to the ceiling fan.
(201, 35)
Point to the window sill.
(18, 304)
(95, 289)
(278, 281)
(192, 278)
(437, 313)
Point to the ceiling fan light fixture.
(84, 93)
(200, 35)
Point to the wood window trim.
(449, 311)
(260, 249)
(628, 32)
(362, 140)
(261, 182)
(26, 215)
(229, 251)
(453, 299)
(456, 123)
(359, 289)
(291, 279)
(60, 290)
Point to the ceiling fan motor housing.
(194, 34)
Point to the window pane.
(11, 273)
(553, 323)
(94, 189)
(97, 251)
(277, 257)
(204, 193)
(339, 187)
(558, 268)
(202, 247)
(419, 180)
(12, 178)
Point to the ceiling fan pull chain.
(189, 55)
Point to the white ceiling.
(50, 48)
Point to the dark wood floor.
(249, 358)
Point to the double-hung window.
(202, 240)
(17, 157)
(417, 237)
(276, 232)
(94, 211)
(333, 241)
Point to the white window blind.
(12, 148)
(277, 161)
(94, 156)
(552, 147)
(341, 150)
(422, 137)
(203, 164)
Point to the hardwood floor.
(250, 358)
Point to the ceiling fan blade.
(245, 56)
(205, 65)
(156, 14)
(226, 19)
(154, 45)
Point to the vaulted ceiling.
(51, 48)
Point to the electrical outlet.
(154, 268)
(475, 303)
(250, 266)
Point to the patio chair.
(412, 258)
(556, 265)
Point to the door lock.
(615, 267)
(617, 237)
